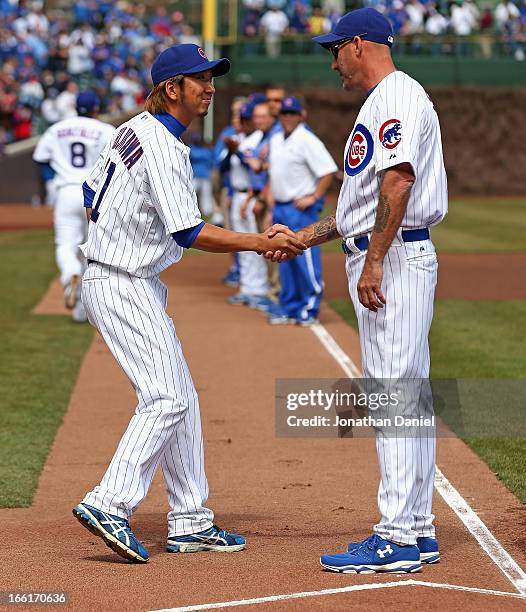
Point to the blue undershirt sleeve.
(186, 238)
(89, 194)
(46, 171)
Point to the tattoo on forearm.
(382, 214)
(325, 230)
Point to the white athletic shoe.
(71, 291)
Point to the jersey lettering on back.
(143, 193)
(128, 146)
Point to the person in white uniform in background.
(300, 173)
(143, 211)
(253, 269)
(394, 190)
(68, 151)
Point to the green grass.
(40, 357)
(482, 341)
(477, 226)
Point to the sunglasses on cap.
(334, 49)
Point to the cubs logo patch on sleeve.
(390, 134)
(360, 150)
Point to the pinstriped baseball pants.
(394, 345)
(130, 314)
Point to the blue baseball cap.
(185, 59)
(291, 104)
(245, 112)
(87, 102)
(367, 23)
(257, 98)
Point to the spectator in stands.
(67, 101)
(31, 92)
(22, 118)
(127, 85)
(505, 12)
(49, 110)
(79, 60)
(463, 21)
(250, 29)
(299, 21)
(274, 24)
(319, 23)
(415, 17)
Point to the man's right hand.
(281, 243)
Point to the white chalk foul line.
(487, 541)
(347, 589)
(334, 349)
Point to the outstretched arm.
(322, 231)
(219, 240)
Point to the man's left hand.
(305, 201)
(370, 286)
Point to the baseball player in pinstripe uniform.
(143, 212)
(68, 150)
(394, 189)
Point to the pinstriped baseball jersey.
(144, 193)
(397, 123)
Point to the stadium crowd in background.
(47, 55)
(273, 19)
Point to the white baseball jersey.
(72, 147)
(239, 177)
(144, 192)
(297, 162)
(397, 123)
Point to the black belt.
(241, 190)
(362, 242)
(90, 261)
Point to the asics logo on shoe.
(386, 551)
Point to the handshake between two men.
(312, 235)
(279, 243)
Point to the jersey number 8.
(78, 154)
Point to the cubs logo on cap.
(186, 59)
(291, 104)
(390, 134)
(360, 150)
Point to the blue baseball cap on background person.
(367, 23)
(245, 112)
(186, 59)
(291, 104)
(257, 98)
(87, 102)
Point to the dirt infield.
(462, 276)
(20, 217)
(292, 498)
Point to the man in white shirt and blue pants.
(301, 171)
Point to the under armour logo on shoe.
(386, 551)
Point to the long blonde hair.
(157, 100)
